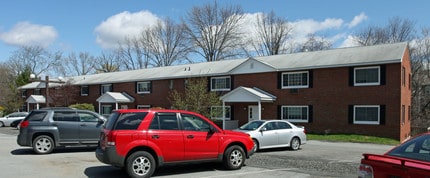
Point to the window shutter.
(311, 78)
(311, 115)
(351, 114)
(279, 112)
(382, 114)
(150, 86)
(209, 84)
(351, 76)
(136, 87)
(279, 80)
(231, 112)
(383, 74)
(231, 82)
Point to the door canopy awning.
(115, 97)
(246, 94)
(36, 99)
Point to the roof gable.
(252, 66)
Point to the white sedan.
(6, 120)
(274, 134)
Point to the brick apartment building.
(357, 90)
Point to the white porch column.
(100, 108)
(116, 105)
(259, 110)
(223, 115)
(28, 107)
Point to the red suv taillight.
(108, 139)
(24, 124)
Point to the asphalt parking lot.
(315, 159)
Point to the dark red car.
(410, 159)
(141, 140)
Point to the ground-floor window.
(295, 113)
(216, 112)
(106, 110)
(366, 114)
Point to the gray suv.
(48, 128)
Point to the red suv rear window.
(125, 121)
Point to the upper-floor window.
(37, 91)
(295, 113)
(106, 88)
(85, 90)
(366, 114)
(24, 93)
(220, 83)
(295, 79)
(367, 76)
(143, 87)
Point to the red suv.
(141, 140)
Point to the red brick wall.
(330, 97)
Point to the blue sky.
(97, 25)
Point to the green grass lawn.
(352, 138)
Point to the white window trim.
(367, 84)
(368, 122)
(143, 92)
(143, 106)
(82, 94)
(295, 106)
(220, 118)
(295, 86)
(221, 89)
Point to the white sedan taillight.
(365, 171)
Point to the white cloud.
(26, 33)
(348, 42)
(125, 24)
(302, 28)
(357, 20)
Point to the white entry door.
(253, 112)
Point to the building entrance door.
(253, 113)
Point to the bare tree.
(272, 33)
(165, 43)
(214, 30)
(74, 65)
(315, 43)
(108, 62)
(421, 79)
(36, 58)
(397, 30)
(132, 55)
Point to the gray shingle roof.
(352, 56)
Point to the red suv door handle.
(190, 136)
(155, 136)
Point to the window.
(194, 123)
(106, 110)
(165, 121)
(403, 76)
(67, 116)
(130, 121)
(220, 83)
(216, 112)
(366, 114)
(143, 106)
(87, 117)
(106, 88)
(403, 114)
(367, 76)
(37, 91)
(23, 93)
(295, 79)
(85, 90)
(295, 113)
(143, 87)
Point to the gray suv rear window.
(37, 115)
